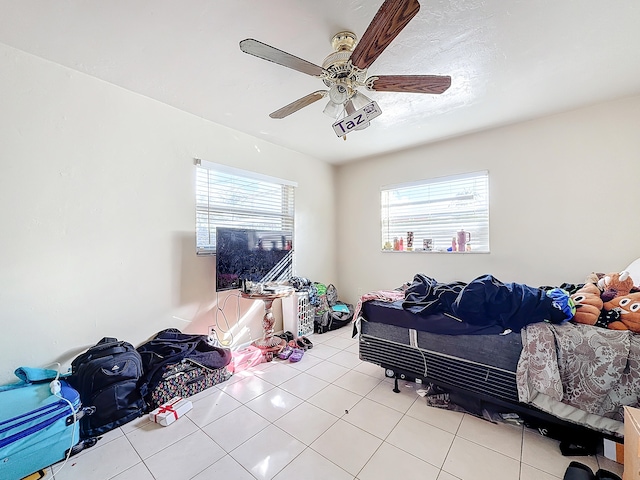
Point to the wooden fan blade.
(409, 83)
(391, 18)
(298, 104)
(272, 54)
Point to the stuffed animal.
(588, 304)
(628, 306)
(615, 285)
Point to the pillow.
(634, 271)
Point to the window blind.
(230, 197)
(436, 209)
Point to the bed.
(488, 362)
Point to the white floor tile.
(327, 371)
(544, 454)
(357, 382)
(347, 446)
(274, 404)
(306, 422)
(447, 420)
(307, 362)
(304, 386)
(422, 440)
(323, 351)
(610, 465)
(152, 437)
(529, 473)
(373, 418)
(268, 452)
(371, 369)
(503, 438)
(235, 428)
(172, 463)
(210, 408)
(339, 342)
(390, 462)
(446, 476)
(100, 463)
(225, 468)
(335, 400)
(346, 359)
(137, 472)
(310, 465)
(280, 373)
(247, 389)
(383, 393)
(470, 461)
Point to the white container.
(297, 315)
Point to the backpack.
(107, 376)
(330, 313)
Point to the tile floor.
(329, 417)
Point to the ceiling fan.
(345, 69)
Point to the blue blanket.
(487, 301)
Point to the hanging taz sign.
(357, 120)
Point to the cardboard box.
(169, 412)
(631, 444)
(613, 450)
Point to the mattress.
(483, 365)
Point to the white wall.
(97, 210)
(564, 198)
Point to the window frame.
(211, 214)
(475, 183)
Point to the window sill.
(420, 250)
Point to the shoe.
(606, 475)
(307, 342)
(296, 355)
(300, 344)
(285, 353)
(578, 471)
(288, 336)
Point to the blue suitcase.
(37, 428)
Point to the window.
(230, 197)
(435, 211)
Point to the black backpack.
(107, 376)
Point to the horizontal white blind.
(229, 197)
(436, 209)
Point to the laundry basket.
(297, 316)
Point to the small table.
(268, 343)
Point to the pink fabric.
(245, 358)
(381, 295)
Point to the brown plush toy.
(629, 308)
(615, 285)
(588, 304)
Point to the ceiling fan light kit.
(345, 69)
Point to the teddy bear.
(588, 304)
(615, 285)
(628, 308)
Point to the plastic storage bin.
(297, 315)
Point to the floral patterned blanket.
(594, 370)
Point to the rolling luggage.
(37, 428)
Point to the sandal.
(285, 353)
(300, 344)
(296, 355)
(307, 342)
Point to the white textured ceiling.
(509, 60)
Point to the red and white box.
(169, 412)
